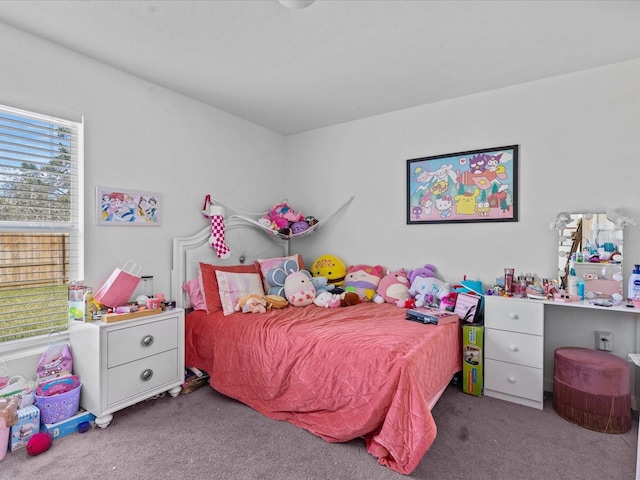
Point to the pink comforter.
(339, 373)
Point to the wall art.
(472, 186)
(117, 206)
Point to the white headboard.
(246, 242)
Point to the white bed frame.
(246, 242)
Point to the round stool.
(592, 389)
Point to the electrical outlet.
(604, 341)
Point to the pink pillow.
(192, 288)
(209, 282)
(234, 286)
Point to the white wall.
(578, 137)
(141, 136)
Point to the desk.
(521, 335)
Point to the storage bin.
(58, 399)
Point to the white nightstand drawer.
(512, 379)
(132, 379)
(525, 316)
(139, 341)
(511, 347)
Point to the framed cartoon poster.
(117, 206)
(473, 186)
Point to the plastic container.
(581, 288)
(634, 284)
(55, 407)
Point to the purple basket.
(58, 407)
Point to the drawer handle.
(512, 379)
(513, 348)
(146, 375)
(513, 316)
(147, 341)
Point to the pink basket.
(55, 407)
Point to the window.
(41, 221)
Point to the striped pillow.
(233, 286)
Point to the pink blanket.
(339, 373)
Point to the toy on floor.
(39, 443)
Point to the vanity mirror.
(590, 250)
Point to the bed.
(339, 373)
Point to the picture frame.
(464, 187)
(124, 207)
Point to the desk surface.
(622, 308)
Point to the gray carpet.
(206, 435)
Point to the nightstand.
(125, 362)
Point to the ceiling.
(294, 70)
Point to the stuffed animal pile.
(283, 219)
(329, 283)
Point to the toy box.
(472, 361)
(27, 426)
(70, 425)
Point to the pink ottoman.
(592, 389)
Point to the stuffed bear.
(363, 280)
(394, 286)
(298, 288)
(428, 271)
(428, 290)
(321, 284)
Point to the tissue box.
(472, 367)
(69, 425)
(27, 426)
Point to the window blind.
(41, 221)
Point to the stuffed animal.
(276, 276)
(331, 267)
(394, 286)
(428, 271)
(298, 288)
(428, 290)
(327, 299)
(349, 298)
(254, 303)
(333, 300)
(322, 284)
(251, 303)
(363, 280)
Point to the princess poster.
(127, 207)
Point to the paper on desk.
(635, 358)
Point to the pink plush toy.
(298, 288)
(363, 280)
(393, 287)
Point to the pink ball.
(39, 443)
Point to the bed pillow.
(233, 286)
(209, 282)
(192, 288)
(264, 265)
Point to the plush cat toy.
(393, 287)
(363, 280)
(428, 290)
